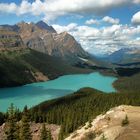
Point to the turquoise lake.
(35, 93)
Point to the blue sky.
(105, 24)
(124, 13)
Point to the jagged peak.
(64, 34)
(43, 25)
(43, 22)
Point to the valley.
(51, 79)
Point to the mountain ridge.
(125, 55)
(43, 38)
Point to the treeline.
(128, 84)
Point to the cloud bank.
(52, 9)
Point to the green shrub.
(125, 121)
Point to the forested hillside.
(20, 66)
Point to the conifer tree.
(25, 133)
(45, 133)
(49, 135)
(11, 127)
(61, 133)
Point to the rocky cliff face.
(10, 39)
(44, 38)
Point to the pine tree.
(25, 133)
(45, 133)
(90, 124)
(11, 127)
(61, 133)
(49, 135)
(17, 134)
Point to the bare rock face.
(28, 30)
(68, 45)
(37, 44)
(10, 39)
(44, 38)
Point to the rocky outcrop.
(37, 44)
(113, 125)
(10, 39)
(28, 31)
(36, 130)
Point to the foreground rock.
(36, 130)
(112, 126)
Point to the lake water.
(33, 94)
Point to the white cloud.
(68, 28)
(137, 1)
(111, 20)
(136, 18)
(8, 8)
(92, 21)
(103, 40)
(51, 9)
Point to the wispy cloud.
(111, 20)
(92, 21)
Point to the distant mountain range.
(124, 56)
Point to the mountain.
(29, 53)
(43, 25)
(63, 45)
(43, 38)
(125, 55)
(10, 27)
